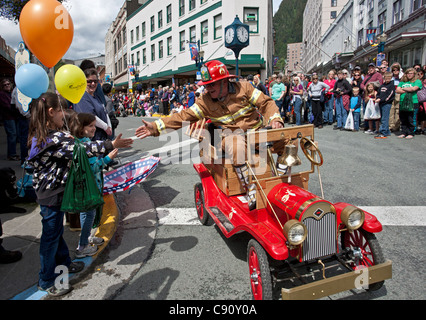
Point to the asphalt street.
(173, 257)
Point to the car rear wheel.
(367, 247)
(202, 213)
(259, 270)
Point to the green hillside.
(288, 25)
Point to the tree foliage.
(288, 25)
(11, 9)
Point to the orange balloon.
(47, 30)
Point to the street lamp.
(382, 41)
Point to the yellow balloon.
(71, 82)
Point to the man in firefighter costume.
(230, 106)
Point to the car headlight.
(352, 217)
(295, 232)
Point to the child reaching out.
(51, 153)
(85, 130)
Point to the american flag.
(127, 176)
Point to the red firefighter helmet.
(213, 71)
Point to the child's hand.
(121, 143)
(113, 154)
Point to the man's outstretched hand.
(145, 130)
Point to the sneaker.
(96, 240)
(380, 136)
(88, 251)
(56, 292)
(368, 131)
(76, 266)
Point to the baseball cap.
(371, 65)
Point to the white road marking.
(388, 216)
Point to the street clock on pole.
(237, 37)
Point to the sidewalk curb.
(107, 229)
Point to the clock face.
(229, 36)
(242, 34)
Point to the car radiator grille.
(321, 238)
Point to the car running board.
(223, 219)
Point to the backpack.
(81, 191)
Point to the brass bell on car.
(290, 157)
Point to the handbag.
(81, 191)
(349, 125)
(407, 104)
(372, 111)
(421, 95)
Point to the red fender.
(371, 224)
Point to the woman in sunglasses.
(90, 103)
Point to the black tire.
(365, 239)
(259, 271)
(202, 213)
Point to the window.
(203, 1)
(133, 58)
(169, 13)
(160, 19)
(398, 11)
(251, 16)
(152, 24)
(138, 58)
(169, 46)
(143, 30)
(144, 55)
(382, 22)
(416, 4)
(181, 7)
(204, 31)
(192, 34)
(124, 35)
(153, 52)
(182, 41)
(131, 37)
(191, 5)
(334, 3)
(160, 49)
(125, 61)
(137, 33)
(333, 14)
(360, 37)
(217, 20)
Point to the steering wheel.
(306, 144)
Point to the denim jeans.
(357, 116)
(384, 125)
(280, 106)
(297, 110)
(10, 127)
(328, 112)
(53, 249)
(341, 113)
(86, 222)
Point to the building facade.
(159, 33)
(294, 57)
(116, 58)
(317, 17)
(400, 26)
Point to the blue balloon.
(32, 80)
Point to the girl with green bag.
(51, 156)
(407, 88)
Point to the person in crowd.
(278, 93)
(233, 96)
(355, 107)
(22, 123)
(394, 122)
(407, 88)
(191, 96)
(341, 90)
(297, 95)
(50, 147)
(166, 101)
(315, 90)
(371, 94)
(90, 103)
(422, 110)
(329, 99)
(160, 98)
(259, 85)
(109, 107)
(272, 81)
(386, 95)
(98, 93)
(372, 76)
(10, 115)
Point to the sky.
(91, 22)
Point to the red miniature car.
(326, 247)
